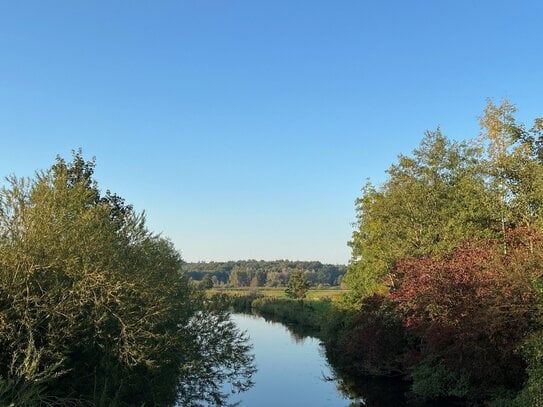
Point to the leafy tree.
(239, 277)
(93, 304)
(430, 204)
(274, 279)
(297, 285)
(514, 171)
(453, 237)
(375, 341)
(260, 276)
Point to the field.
(312, 294)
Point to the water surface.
(292, 370)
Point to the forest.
(254, 273)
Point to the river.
(292, 370)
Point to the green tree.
(430, 203)
(239, 277)
(453, 236)
(207, 282)
(513, 167)
(297, 285)
(93, 304)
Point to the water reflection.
(297, 338)
(295, 369)
(350, 392)
(292, 368)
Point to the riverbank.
(323, 320)
(366, 368)
(330, 293)
(311, 314)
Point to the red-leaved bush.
(472, 308)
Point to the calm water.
(291, 369)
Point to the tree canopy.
(446, 265)
(93, 306)
(260, 273)
(297, 285)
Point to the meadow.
(312, 294)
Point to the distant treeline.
(260, 273)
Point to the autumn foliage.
(472, 307)
(376, 342)
(452, 245)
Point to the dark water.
(292, 370)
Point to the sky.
(246, 129)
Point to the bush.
(433, 380)
(375, 341)
(92, 303)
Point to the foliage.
(297, 285)
(375, 340)
(532, 393)
(92, 303)
(253, 273)
(471, 309)
(436, 380)
(310, 316)
(431, 203)
(453, 239)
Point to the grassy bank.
(316, 314)
(364, 349)
(309, 315)
(279, 293)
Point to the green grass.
(313, 294)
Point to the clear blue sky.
(246, 129)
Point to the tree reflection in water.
(364, 391)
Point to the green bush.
(93, 305)
(433, 380)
